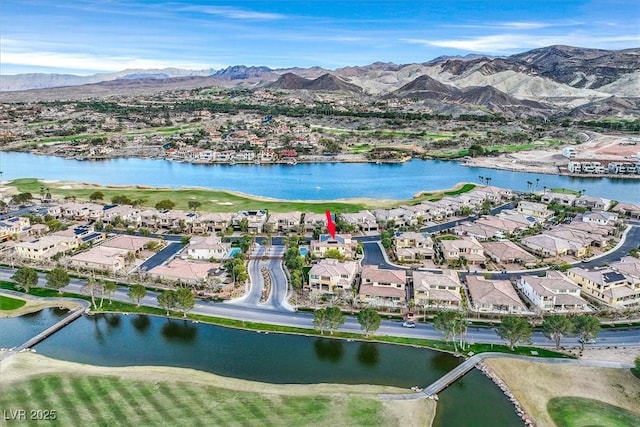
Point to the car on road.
(408, 324)
(590, 341)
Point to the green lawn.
(109, 400)
(216, 200)
(7, 303)
(211, 200)
(580, 412)
(120, 307)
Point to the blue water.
(307, 181)
(117, 340)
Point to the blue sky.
(84, 37)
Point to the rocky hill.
(548, 81)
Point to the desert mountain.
(326, 82)
(551, 80)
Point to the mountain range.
(547, 81)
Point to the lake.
(119, 340)
(305, 181)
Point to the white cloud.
(234, 13)
(89, 62)
(504, 43)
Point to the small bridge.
(84, 306)
(450, 377)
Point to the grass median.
(123, 307)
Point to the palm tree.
(108, 288)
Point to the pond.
(119, 340)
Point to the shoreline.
(66, 185)
(479, 162)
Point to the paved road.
(162, 256)
(263, 314)
(272, 262)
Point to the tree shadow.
(179, 331)
(328, 349)
(368, 354)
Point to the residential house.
(100, 258)
(494, 194)
(342, 242)
(313, 221)
(593, 203)
(600, 217)
(184, 271)
(412, 246)
(552, 292)
(495, 296)
(563, 199)
(45, 247)
(329, 275)
(211, 223)
(468, 248)
(631, 210)
(255, 221)
(285, 222)
(364, 220)
(507, 252)
(538, 210)
(133, 244)
(128, 214)
(606, 285)
(84, 234)
(210, 247)
(380, 287)
(399, 217)
(82, 211)
(14, 226)
(547, 246)
(436, 290)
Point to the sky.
(85, 37)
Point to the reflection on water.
(278, 358)
(140, 323)
(368, 354)
(328, 349)
(179, 331)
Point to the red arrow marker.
(330, 225)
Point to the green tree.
(369, 320)
(96, 195)
(320, 320)
(555, 327)
(108, 289)
(120, 200)
(514, 329)
(91, 288)
(136, 293)
(296, 279)
(194, 205)
(25, 278)
(636, 370)
(454, 326)
(335, 318)
(57, 279)
(185, 300)
(167, 300)
(334, 253)
(165, 204)
(587, 328)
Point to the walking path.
(84, 306)
(460, 370)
